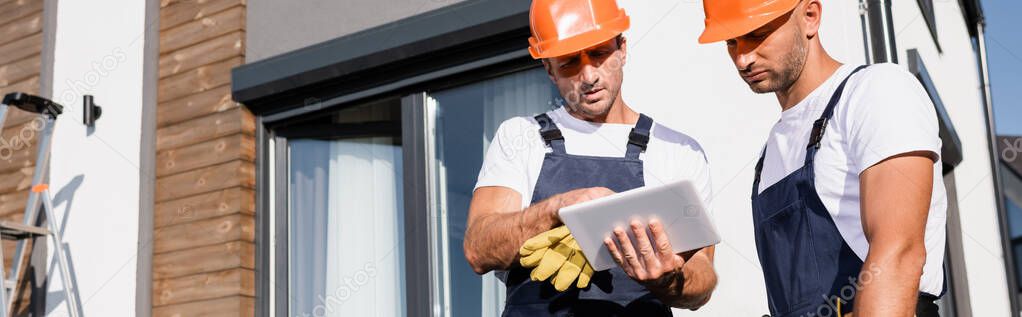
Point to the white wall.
(95, 173)
(695, 88)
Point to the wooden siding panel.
(209, 205)
(22, 27)
(16, 180)
(12, 10)
(18, 147)
(212, 152)
(19, 70)
(178, 12)
(206, 179)
(204, 286)
(28, 85)
(208, 52)
(203, 29)
(203, 239)
(211, 101)
(203, 233)
(20, 49)
(196, 80)
(210, 258)
(241, 306)
(204, 129)
(17, 116)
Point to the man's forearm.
(492, 240)
(691, 288)
(893, 287)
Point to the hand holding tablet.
(677, 206)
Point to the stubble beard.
(794, 62)
(599, 109)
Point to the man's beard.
(576, 106)
(793, 63)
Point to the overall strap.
(550, 133)
(639, 137)
(759, 171)
(820, 126)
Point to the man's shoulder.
(884, 87)
(883, 77)
(519, 123)
(518, 131)
(675, 138)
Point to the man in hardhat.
(591, 147)
(848, 199)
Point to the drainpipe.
(878, 31)
(866, 42)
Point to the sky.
(1004, 53)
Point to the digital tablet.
(677, 205)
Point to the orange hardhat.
(728, 19)
(561, 27)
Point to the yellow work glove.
(556, 254)
(535, 248)
(552, 261)
(576, 269)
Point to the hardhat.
(561, 27)
(728, 19)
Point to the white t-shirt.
(515, 156)
(883, 111)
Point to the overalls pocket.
(784, 239)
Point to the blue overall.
(611, 292)
(805, 260)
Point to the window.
(360, 151)
(343, 212)
(1015, 224)
(466, 119)
(345, 215)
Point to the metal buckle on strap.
(819, 127)
(550, 135)
(638, 139)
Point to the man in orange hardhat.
(848, 197)
(591, 147)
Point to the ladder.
(38, 197)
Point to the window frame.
(951, 148)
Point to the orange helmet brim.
(726, 29)
(577, 43)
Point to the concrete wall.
(283, 26)
(95, 172)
